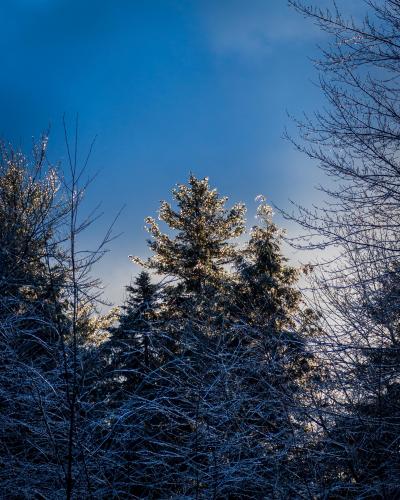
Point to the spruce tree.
(217, 416)
(195, 254)
(201, 247)
(266, 348)
(265, 293)
(129, 357)
(132, 347)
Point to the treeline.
(212, 382)
(217, 378)
(197, 388)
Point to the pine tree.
(217, 416)
(162, 411)
(270, 361)
(201, 248)
(131, 349)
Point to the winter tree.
(355, 140)
(32, 315)
(215, 417)
(48, 418)
(199, 251)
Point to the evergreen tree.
(132, 348)
(129, 357)
(271, 362)
(162, 412)
(196, 256)
(266, 296)
(265, 292)
(201, 248)
(216, 417)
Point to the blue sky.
(168, 87)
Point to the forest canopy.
(219, 376)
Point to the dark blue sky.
(168, 87)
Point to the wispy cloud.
(252, 29)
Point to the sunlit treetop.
(30, 211)
(204, 228)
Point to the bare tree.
(31, 215)
(49, 416)
(355, 140)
